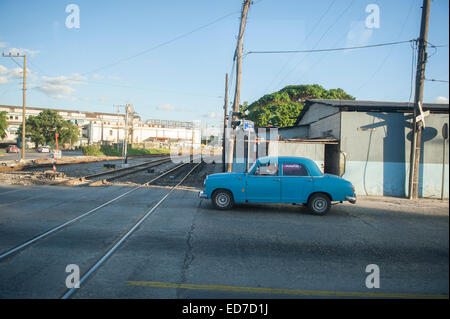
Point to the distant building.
(98, 128)
(369, 143)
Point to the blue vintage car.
(293, 180)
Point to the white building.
(98, 128)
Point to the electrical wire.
(434, 80)
(161, 44)
(331, 49)
(317, 43)
(413, 59)
(390, 51)
(306, 38)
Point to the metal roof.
(373, 106)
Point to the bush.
(110, 151)
(145, 151)
(91, 150)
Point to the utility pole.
(118, 123)
(418, 98)
(237, 94)
(128, 110)
(225, 107)
(24, 89)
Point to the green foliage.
(41, 128)
(3, 124)
(283, 107)
(91, 150)
(110, 151)
(145, 151)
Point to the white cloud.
(358, 34)
(97, 77)
(2, 44)
(56, 90)
(213, 115)
(113, 77)
(3, 80)
(85, 99)
(441, 99)
(168, 107)
(60, 87)
(17, 73)
(103, 99)
(21, 51)
(74, 79)
(3, 70)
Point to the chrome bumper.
(351, 199)
(202, 195)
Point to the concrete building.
(368, 143)
(98, 127)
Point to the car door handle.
(276, 179)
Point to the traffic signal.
(235, 124)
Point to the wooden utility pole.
(237, 94)
(24, 89)
(225, 107)
(418, 98)
(24, 104)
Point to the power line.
(306, 38)
(323, 56)
(434, 80)
(331, 49)
(162, 44)
(317, 43)
(390, 51)
(413, 58)
(82, 81)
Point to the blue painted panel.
(263, 189)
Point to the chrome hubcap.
(320, 205)
(222, 200)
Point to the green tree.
(41, 128)
(283, 107)
(3, 124)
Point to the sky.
(169, 59)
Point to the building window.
(110, 132)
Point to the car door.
(296, 183)
(263, 185)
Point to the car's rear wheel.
(319, 204)
(222, 199)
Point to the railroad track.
(29, 243)
(99, 178)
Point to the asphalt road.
(186, 249)
(35, 155)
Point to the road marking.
(318, 293)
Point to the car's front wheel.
(319, 204)
(222, 199)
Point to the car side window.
(294, 169)
(267, 170)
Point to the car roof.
(285, 158)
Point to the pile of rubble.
(31, 178)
